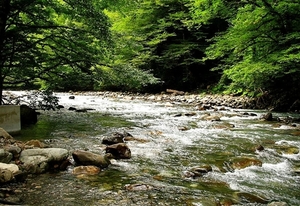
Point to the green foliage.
(162, 38)
(260, 50)
(43, 99)
(44, 39)
(125, 78)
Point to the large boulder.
(88, 158)
(41, 160)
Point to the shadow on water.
(72, 123)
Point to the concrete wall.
(10, 119)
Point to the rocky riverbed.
(23, 158)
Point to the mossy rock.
(243, 197)
(286, 149)
(243, 162)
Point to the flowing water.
(170, 141)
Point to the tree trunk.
(4, 12)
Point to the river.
(170, 142)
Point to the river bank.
(207, 101)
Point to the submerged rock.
(138, 187)
(244, 197)
(243, 162)
(278, 204)
(88, 158)
(198, 171)
(286, 149)
(209, 117)
(87, 170)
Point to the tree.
(260, 50)
(46, 38)
(165, 40)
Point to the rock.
(28, 115)
(11, 167)
(14, 150)
(198, 171)
(88, 170)
(190, 114)
(5, 156)
(209, 117)
(41, 160)
(243, 162)
(114, 139)
(278, 204)
(6, 175)
(81, 110)
(267, 117)
(119, 151)
(259, 148)
(34, 143)
(244, 197)
(168, 104)
(286, 149)
(88, 158)
(72, 109)
(4, 134)
(202, 169)
(72, 97)
(138, 187)
(297, 171)
(223, 125)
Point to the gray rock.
(89, 158)
(15, 150)
(39, 160)
(5, 156)
(115, 138)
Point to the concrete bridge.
(10, 118)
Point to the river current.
(169, 142)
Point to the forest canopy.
(248, 47)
